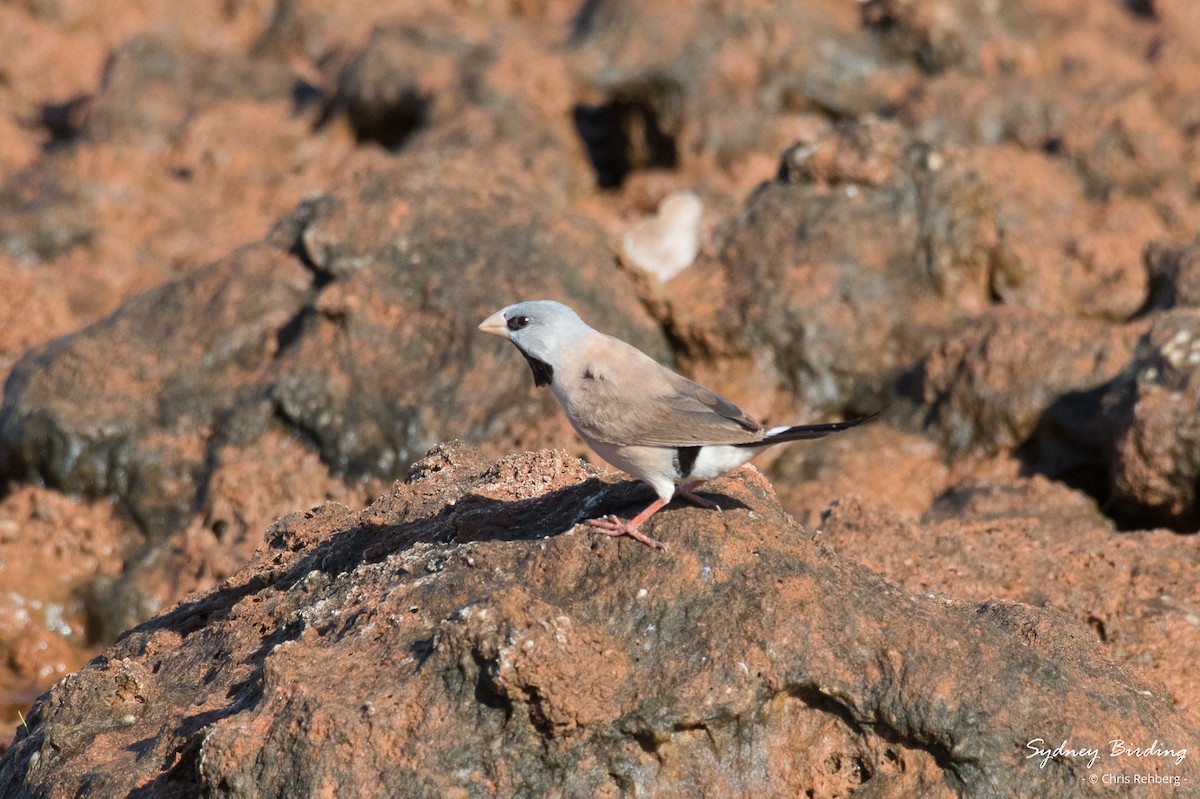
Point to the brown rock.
(388, 359)
(681, 86)
(1038, 542)
(1017, 379)
(984, 499)
(1058, 252)
(434, 83)
(50, 549)
(395, 650)
(819, 309)
(126, 407)
(1174, 274)
(1059, 78)
(145, 81)
(879, 464)
(1154, 409)
(243, 494)
(942, 33)
(371, 352)
(178, 154)
(1075, 119)
(1034, 154)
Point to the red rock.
(397, 650)
(51, 550)
(1154, 408)
(368, 349)
(126, 406)
(1174, 274)
(1039, 156)
(1136, 591)
(814, 311)
(1021, 379)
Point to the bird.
(637, 414)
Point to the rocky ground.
(245, 247)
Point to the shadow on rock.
(459, 629)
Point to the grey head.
(540, 329)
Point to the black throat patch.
(543, 373)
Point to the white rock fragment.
(668, 242)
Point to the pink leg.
(685, 491)
(610, 525)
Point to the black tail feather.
(806, 432)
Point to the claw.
(615, 527)
(685, 492)
(611, 525)
(699, 501)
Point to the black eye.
(518, 323)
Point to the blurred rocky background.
(244, 246)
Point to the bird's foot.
(611, 525)
(698, 501)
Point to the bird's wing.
(619, 395)
(692, 412)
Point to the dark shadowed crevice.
(584, 21)
(180, 774)
(389, 124)
(1142, 9)
(305, 97)
(487, 693)
(64, 121)
(624, 135)
(287, 335)
(1071, 445)
(600, 128)
(288, 235)
(814, 698)
(877, 15)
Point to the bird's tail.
(804, 432)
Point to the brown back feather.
(619, 395)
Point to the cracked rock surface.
(243, 250)
(462, 637)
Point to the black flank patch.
(588, 374)
(543, 373)
(685, 459)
